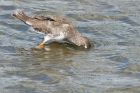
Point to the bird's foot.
(41, 46)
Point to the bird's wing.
(43, 18)
(58, 19)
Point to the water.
(112, 66)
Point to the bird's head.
(84, 41)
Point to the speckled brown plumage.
(55, 29)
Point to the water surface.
(112, 66)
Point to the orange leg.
(46, 39)
(41, 45)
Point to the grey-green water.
(112, 66)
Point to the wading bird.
(55, 29)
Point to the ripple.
(131, 89)
(7, 49)
(7, 7)
(126, 43)
(105, 5)
(112, 66)
(15, 26)
(129, 21)
(119, 59)
(5, 16)
(133, 68)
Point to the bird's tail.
(19, 14)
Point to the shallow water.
(112, 66)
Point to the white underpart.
(47, 38)
(29, 23)
(52, 37)
(60, 37)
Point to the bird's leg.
(41, 45)
(46, 39)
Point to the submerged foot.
(41, 46)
